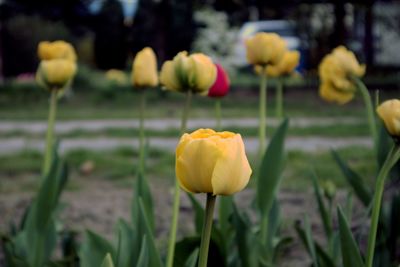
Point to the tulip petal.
(168, 77)
(195, 164)
(232, 171)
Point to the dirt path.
(310, 144)
(162, 124)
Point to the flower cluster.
(269, 55)
(336, 71)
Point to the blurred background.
(107, 33)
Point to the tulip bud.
(194, 73)
(55, 74)
(212, 162)
(265, 48)
(116, 76)
(57, 49)
(389, 112)
(329, 189)
(144, 69)
(221, 85)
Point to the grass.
(240, 103)
(119, 165)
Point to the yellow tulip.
(212, 162)
(58, 49)
(144, 69)
(330, 93)
(116, 76)
(285, 66)
(265, 48)
(389, 112)
(195, 73)
(55, 73)
(338, 67)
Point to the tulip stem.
(50, 132)
(263, 112)
(218, 114)
(175, 209)
(390, 161)
(369, 109)
(141, 130)
(206, 233)
(279, 98)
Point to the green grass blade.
(323, 212)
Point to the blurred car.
(286, 29)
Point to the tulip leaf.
(351, 256)
(93, 249)
(225, 212)
(154, 260)
(192, 260)
(245, 240)
(310, 241)
(107, 262)
(128, 245)
(186, 247)
(143, 260)
(323, 258)
(356, 182)
(271, 169)
(198, 213)
(142, 190)
(323, 212)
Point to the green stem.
(142, 137)
(279, 98)
(206, 233)
(50, 133)
(175, 209)
(391, 159)
(218, 114)
(369, 109)
(262, 112)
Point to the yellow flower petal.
(331, 94)
(389, 112)
(56, 50)
(56, 73)
(144, 69)
(265, 48)
(232, 171)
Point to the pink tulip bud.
(221, 85)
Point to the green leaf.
(128, 245)
(356, 182)
(325, 216)
(271, 169)
(93, 249)
(246, 241)
(107, 262)
(310, 241)
(323, 258)
(351, 256)
(192, 260)
(142, 190)
(143, 260)
(225, 212)
(198, 213)
(155, 260)
(185, 248)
